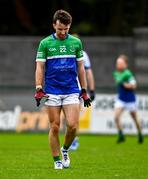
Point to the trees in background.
(90, 17)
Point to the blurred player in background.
(126, 99)
(60, 56)
(90, 87)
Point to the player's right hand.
(39, 95)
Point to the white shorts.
(131, 106)
(59, 100)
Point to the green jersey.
(61, 58)
(122, 77)
(125, 76)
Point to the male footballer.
(59, 66)
(126, 99)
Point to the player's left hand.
(39, 95)
(87, 100)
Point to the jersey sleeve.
(87, 63)
(131, 79)
(41, 53)
(79, 52)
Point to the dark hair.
(63, 16)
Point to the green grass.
(27, 156)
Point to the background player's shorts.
(59, 100)
(130, 106)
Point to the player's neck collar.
(55, 37)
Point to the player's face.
(121, 64)
(61, 29)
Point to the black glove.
(87, 100)
(39, 95)
(92, 94)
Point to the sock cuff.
(56, 158)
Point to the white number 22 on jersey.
(62, 49)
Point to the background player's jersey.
(125, 76)
(87, 64)
(60, 57)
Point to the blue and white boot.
(58, 165)
(65, 158)
(75, 144)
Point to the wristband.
(83, 90)
(38, 87)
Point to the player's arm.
(40, 63)
(90, 79)
(89, 75)
(39, 74)
(131, 84)
(91, 83)
(82, 80)
(80, 65)
(81, 74)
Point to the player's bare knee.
(55, 129)
(116, 119)
(73, 127)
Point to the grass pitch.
(27, 156)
